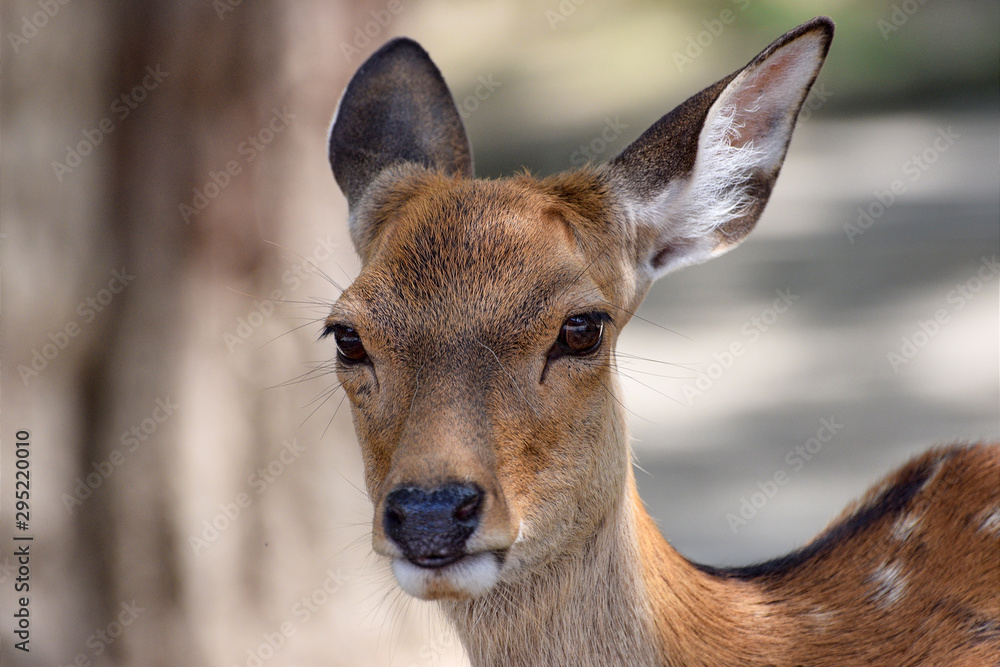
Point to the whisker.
(311, 322)
(330, 423)
(651, 388)
(321, 369)
(629, 356)
(624, 407)
(311, 263)
(632, 369)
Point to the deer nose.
(432, 527)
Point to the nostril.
(393, 516)
(469, 508)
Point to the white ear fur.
(741, 147)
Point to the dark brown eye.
(581, 334)
(349, 346)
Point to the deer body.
(886, 597)
(477, 349)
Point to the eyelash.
(350, 349)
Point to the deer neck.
(700, 618)
(625, 597)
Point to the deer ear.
(397, 108)
(695, 183)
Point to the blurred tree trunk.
(180, 220)
(175, 212)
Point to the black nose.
(432, 527)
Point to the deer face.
(476, 349)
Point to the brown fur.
(464, 288)
(457, 314)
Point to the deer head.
(477, 344)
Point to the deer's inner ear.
(700, 177)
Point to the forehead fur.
(478, 251)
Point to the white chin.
(469, 577)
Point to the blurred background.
(171, 234)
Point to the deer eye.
(580, 334)
(350, 349)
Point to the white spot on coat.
(821, 618)
(905, 526)
(889, 584)
(991, 522)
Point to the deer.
(476, 347)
